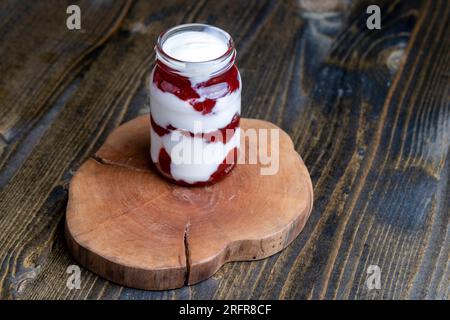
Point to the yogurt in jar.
(195, 105)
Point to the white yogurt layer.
(167, 109)
(194, 46)
(193, 159)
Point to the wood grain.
(367, 109)
(129, 225)
(38, 63)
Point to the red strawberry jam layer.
(223, 135)
(168, 81)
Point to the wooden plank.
(374, 139)
(32, 203)
(40, 55)
(375, 176)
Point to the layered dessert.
(195, 105)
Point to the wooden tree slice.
(129, 225)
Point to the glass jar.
(195, 105)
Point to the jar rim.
(213, 66)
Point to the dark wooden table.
(369, 111)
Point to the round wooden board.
(129, 225)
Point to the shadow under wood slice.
(127, 224)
